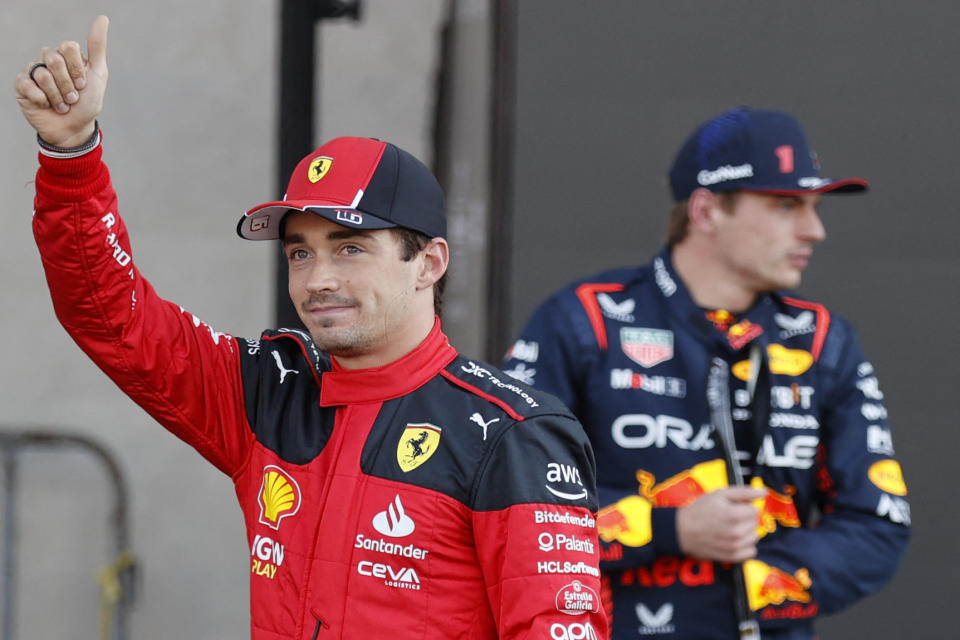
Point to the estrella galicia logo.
(418, 442)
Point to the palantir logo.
(394, 522)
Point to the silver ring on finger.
(34, 68)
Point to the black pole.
(296, 108)
(8, 463)
(295, 119)
(500, 268)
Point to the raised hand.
(61, 93)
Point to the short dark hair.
(411, 243)
(678, 222)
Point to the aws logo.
(279, 496)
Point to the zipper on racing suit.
(320, 623)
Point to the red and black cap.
(360, 183)
(753, 150)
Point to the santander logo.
(394, 522)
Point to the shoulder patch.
(517, 399)
(589, 294)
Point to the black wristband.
(54, 151)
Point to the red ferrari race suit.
(433, 497)
(628, 351)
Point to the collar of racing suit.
(350, 386)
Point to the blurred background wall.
(592, 99)
(605, 92)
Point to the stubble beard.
(341, 341)
(345, 341)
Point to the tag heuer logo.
(647, 347)
(417, 444)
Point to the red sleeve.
(181, 371)
(536, 535)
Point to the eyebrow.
(796, 199)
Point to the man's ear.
(434, 259)
(703, 206)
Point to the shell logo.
(279, 496)
(886, 474)
(790, 362)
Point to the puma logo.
(477, 418)
(283, 370)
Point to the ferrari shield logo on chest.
(646, 347)
(418, 442)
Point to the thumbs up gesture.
(61, 93)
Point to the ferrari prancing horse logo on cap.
(318, 168)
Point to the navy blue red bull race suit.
(628, 351)
(431, 498)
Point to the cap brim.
(824, 185)
(263, 221)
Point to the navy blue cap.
(754, 150)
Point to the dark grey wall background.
(606, 91)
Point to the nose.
(810, 226)
(322, 277)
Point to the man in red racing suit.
(388, 484)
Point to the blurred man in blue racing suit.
(820, 518)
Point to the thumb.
(97, 42)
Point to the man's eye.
(787, 205)
(352, 249)
(298, 254)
